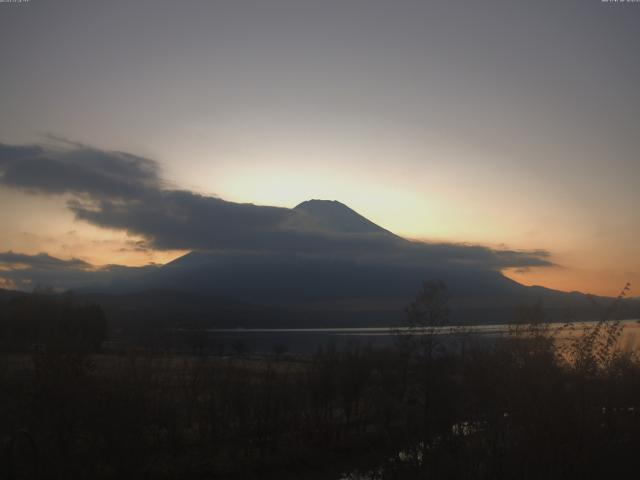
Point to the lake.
(304, 340)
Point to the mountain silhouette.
(336, 261)
(332, 215)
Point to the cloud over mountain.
(20, 271)
(41, 261)
(117, 190)
(24, 272)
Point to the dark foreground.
(521, 408)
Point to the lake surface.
(301, 340)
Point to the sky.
(510, 125)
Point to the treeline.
(523, 406)
(513, 410)
(38, 321)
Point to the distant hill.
(169, 309)
(6, 295)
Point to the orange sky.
(496, 123)
(44, 225)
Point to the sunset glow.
(468, 140)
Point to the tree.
(426, 315)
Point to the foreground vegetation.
(523, 406)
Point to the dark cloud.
(24, 272)
(477, 256)
(41, 261)
(174, 219)
(78, 169)
(120, 191)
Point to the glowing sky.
(490, 122)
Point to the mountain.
(334, 265)
(332, 215)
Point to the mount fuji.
(335, 262)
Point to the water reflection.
(631, 326)
(309, 339)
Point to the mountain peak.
(318, 201)
(336, 216)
